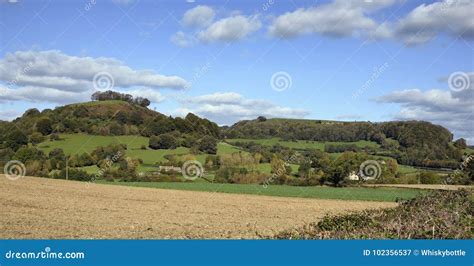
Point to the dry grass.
(40, 208)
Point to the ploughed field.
(44, 208)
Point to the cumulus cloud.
(452, 109)
(199, 16)
(337, 19)
(226, 108)
(227, 29)
(230, 29)
(9, 114)
(453, 17)
(53, 76)
(356, 18)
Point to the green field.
(82, 143)
(318, 192)
(303, 144)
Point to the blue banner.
(236, 252)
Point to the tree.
(44, 126)
(31, 112)
(347, 163)
(36, 138)
(208, 144)
(460, 143)
(279, 170)
(15, 139)
(163, 141)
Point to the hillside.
(123, 140)
(417, 143)
(108, 118)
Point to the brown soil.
(41, 208)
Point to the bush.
(54, 137)
(438, 215)
(36, 138)
(73, 174)
(429, 178)
(249, 178)
(163, 141)
(208, 145)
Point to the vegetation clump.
(438, 215)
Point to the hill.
(114, 117)
(118, 138)
(417, 143)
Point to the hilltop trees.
(113, 95)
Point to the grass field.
(82, 143)
(303, 144)
(318, 192)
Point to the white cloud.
(226, 108)
(355, 19)
(150, 94)
(8, 114)
(181, 39)
(230, 29)
(454, 17)
(53, 76)
(200, 16)
(452, 109)
(42, 94)
(337, 19)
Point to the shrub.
(36, 138)
(438, 215)
(429, 178)
(54, 137)
(73, 174)
(207, 144)
(249, 178)
(163, 141)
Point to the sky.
(352, 60)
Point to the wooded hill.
(410, 142)
(416, 143)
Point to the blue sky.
(345, 60)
